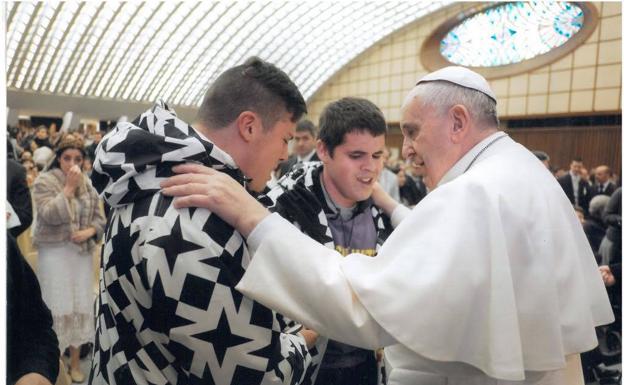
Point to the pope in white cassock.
(488, 280)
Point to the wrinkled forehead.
(409, 98)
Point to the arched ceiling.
(140, 51)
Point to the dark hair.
(68, 142)
(577, 159)
(306, 125)
(541, 155)
(256, 86)
(347, 115)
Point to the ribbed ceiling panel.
(140, 51)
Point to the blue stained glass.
(511, 33)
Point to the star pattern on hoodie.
(168, 311)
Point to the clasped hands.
(82, 235)
(607, 275)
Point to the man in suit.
(18, 196)
(305, 146)
(575, 187)
(90, 149)
(603, 184)
(388, 179)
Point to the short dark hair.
(541, 155)
(347, 115)
(256, 86)
(306, 125)
(577, 159)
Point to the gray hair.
(597, 205)
(443, 95)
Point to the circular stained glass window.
(511, 33)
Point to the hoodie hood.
(133, 158)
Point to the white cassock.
(488, 280)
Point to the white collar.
(307, 157)
(462, 164)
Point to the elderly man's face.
(602, 174)
(425, 140)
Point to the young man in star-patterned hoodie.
(168, 309)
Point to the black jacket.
(18, 196)
(608, 190)
(584, 193)
(410, 193)
(286, 165)
(32, 345)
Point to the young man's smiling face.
(351, 171)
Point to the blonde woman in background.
(69, 223)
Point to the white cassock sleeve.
(487, 270)
(307, 284)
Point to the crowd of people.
(59, 213)
(183, 291)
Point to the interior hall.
(105, 99)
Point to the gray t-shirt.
(353, 231)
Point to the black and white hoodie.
(299, 198)
(168, 311)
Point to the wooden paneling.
(596, 145)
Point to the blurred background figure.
(90, 149)
(41, 139)
(68, 225)
(593, 223)
(543, 157)
(575, 184)
(602, 181)
(304, 148)
(18, 195)
(388, 179)
(410, 191)
(32, 346)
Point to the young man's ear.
(460, 119)
(322, 151)
(249, 125)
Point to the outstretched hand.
(383, 200)
(200, 186)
